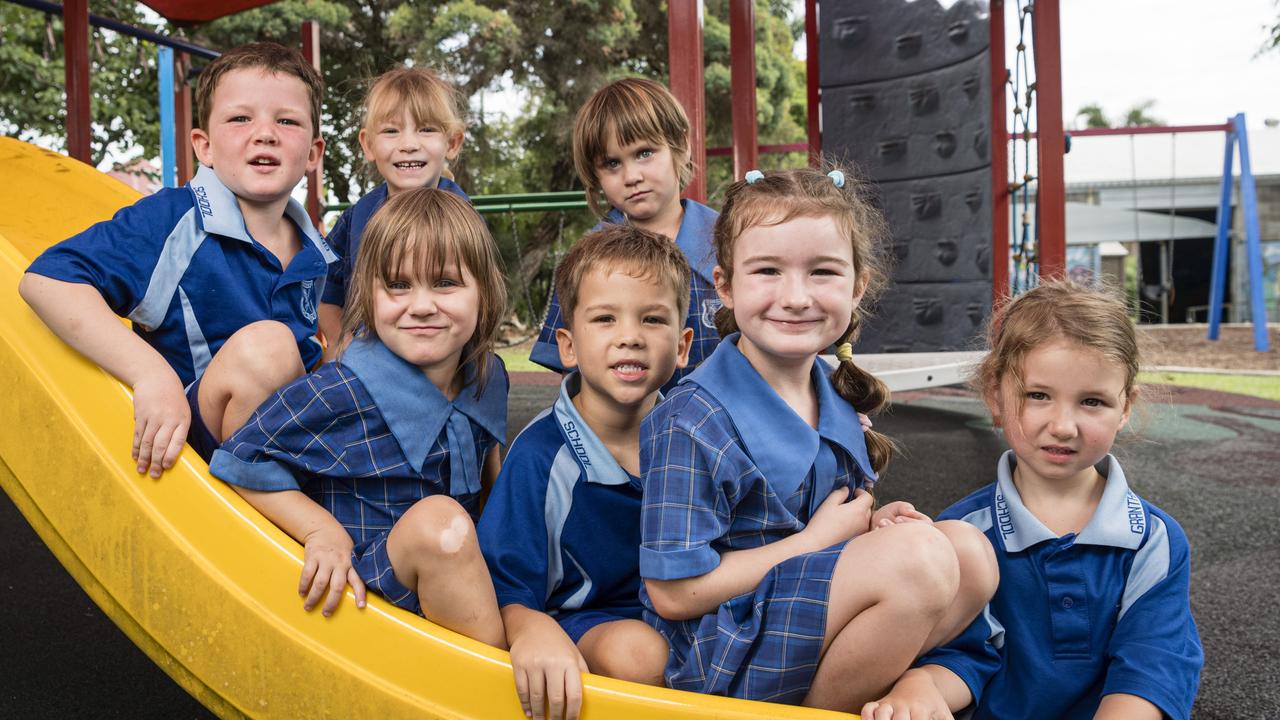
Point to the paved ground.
(1210, 459)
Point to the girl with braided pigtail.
(765, 564)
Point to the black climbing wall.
(906, 99)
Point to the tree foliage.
(1137, 116)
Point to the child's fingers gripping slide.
(161, 416)
(548, 671)
(327, 567)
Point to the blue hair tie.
(837, 177)
(753, 176)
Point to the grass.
(1256, 385)
(517, 359)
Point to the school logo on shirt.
(308, 303)
(709, 308)
(575, 442)
(202, 200)
(1002, 515)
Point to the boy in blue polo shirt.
(561, 530)
(1092, 618)
(220, 279)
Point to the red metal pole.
(684, 60)
(182, 116)
(75, 40)
(1140, 130)
(311, 51)
(742, 84)
(999, 160)
(1051, 188)
(811, 76)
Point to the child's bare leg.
(257, 360)
(889, 589)
(626, 650)
(979, 576)
(433, 550)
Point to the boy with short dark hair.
(220, 279)
(561, 530)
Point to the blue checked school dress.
(694, 240)
(367, 437)
(728, 465)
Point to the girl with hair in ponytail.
(765, 564)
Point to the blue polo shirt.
(694, 240)
(345, 236)
(1080, 616)
(181, 265)
(561, 528)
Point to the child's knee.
(925, 569)
(262, 353)
(979, 572)
(635, 652)
(438, 527)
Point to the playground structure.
(178, 582)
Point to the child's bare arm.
(1127, 707)
(329, 318)
(79, 315)
(327, 546)
(740, 571)
(548, 667)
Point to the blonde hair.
(623, 248)
(780, 196)
(429, 99)
(418, 233)
(1096, 318)
(628, 110)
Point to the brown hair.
(269, 57)
(417, 233)
(780, 196)
(1096, 318)
(627, 111)
(429, 99)
(623, 248)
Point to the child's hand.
(161, 418)
(548, 670)
(897, 512)
(913, 697)
(836, 520)
(327, 566)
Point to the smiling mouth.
(634, 196)
(264, 162)
(1058, 450)
(630, 369)
(410, 165)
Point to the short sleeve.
(1155, 651)
(974, 656)
(686, 507)
(303, 429)
(116, 256)
(513, 536)
(339, 239)
(546, 351)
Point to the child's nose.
(1063, 423)
(795, 293)
(422, 302)
(265, 132)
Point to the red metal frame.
(311, 51)
(182, 119)
(999, 160)
(742, 82)
(684, 60)
(1140, 130)
(1051, 194)
(812, 77)
(75, 39)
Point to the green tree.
(1139, 116)
(123, 85)
(1093, 116)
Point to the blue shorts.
(373, 565)
(198, 436)
(576, 624)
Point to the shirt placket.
(1068, 606)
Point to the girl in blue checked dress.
(376, 462)
(764, 563)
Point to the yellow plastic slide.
(196, 577)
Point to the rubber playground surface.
(1211, 459)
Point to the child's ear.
(315, 154)
(200, 144)
(568, 355)
(1128, 405)
(682, 348)
(455, 146)
(992, 400)
(363, 137)
(721, 280)
(864, 280)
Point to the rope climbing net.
(1024, 264)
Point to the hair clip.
(753, 176)
(844, 351)
(837, 177)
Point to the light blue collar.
(1119, 520)
(416, 411)
(597, 463)
(779, 441)
(219, 213)
(693, 238)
